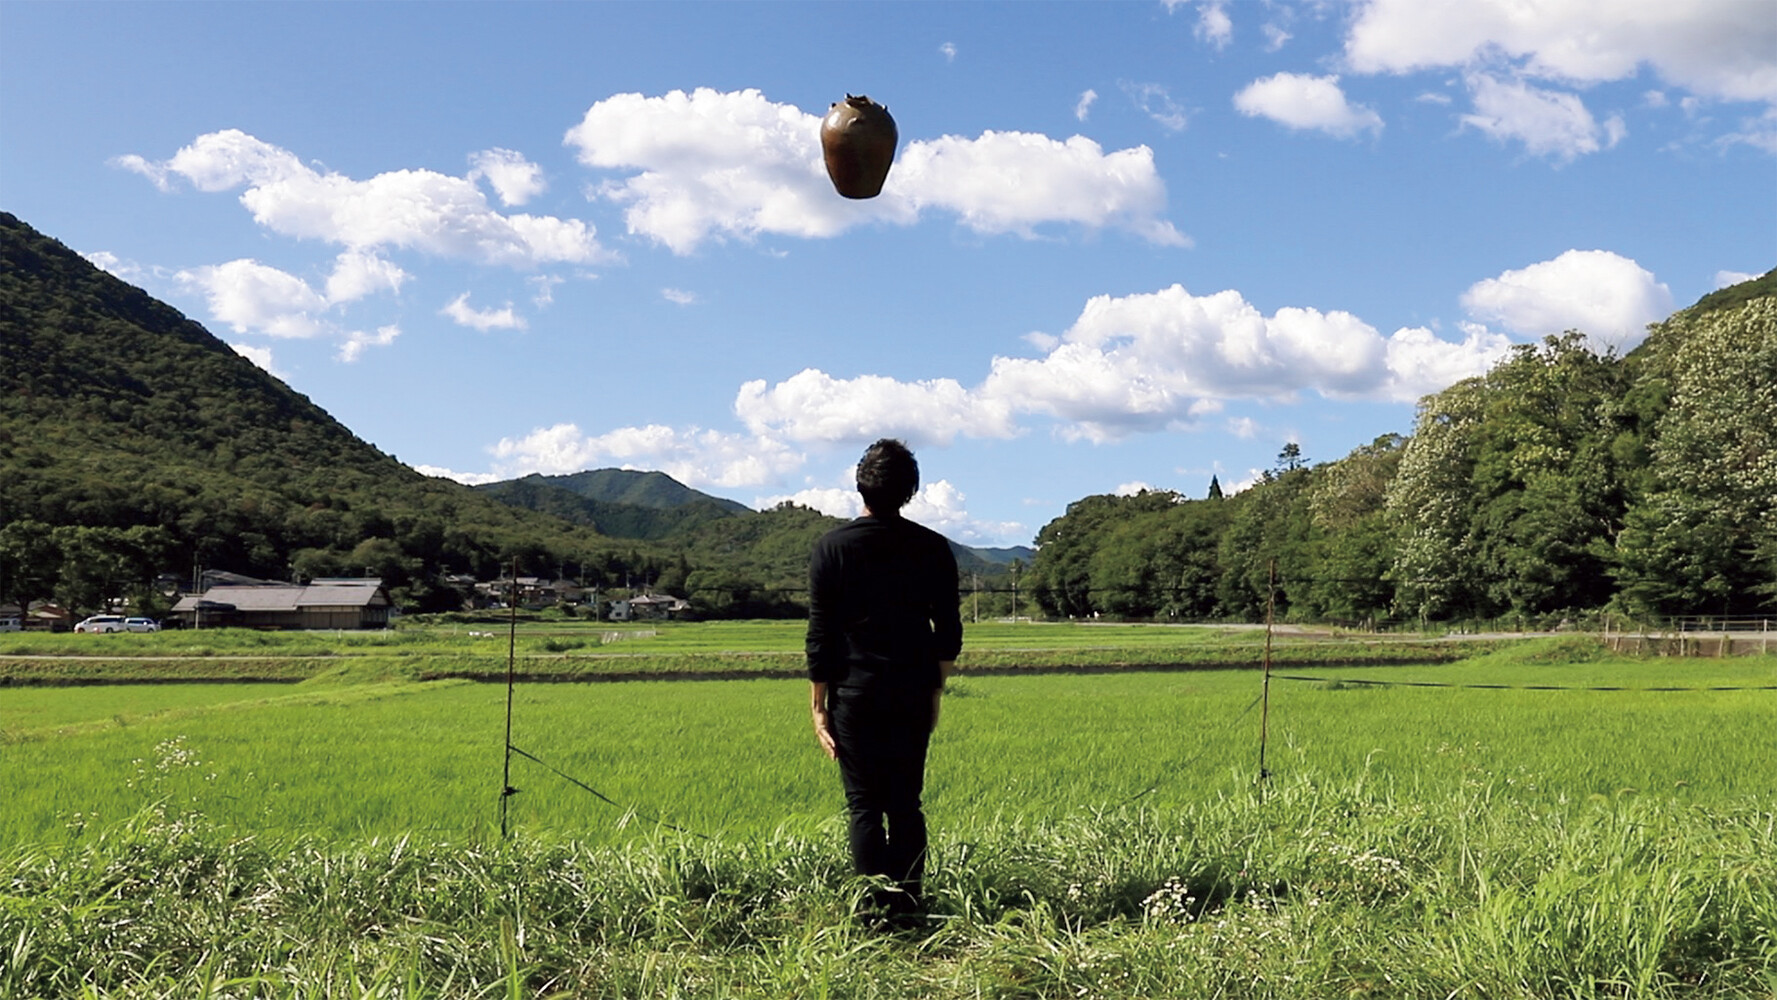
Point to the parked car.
(11, 625)
(101, 623)
(140, 625)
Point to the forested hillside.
(1562, 481)
(135, 444)
(647, 515)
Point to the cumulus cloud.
(1610, 298)
(1133, 489)
(1164, 359)
(938, 505)
(114, 265)
(410, 209)
(1275, 37)
(260, 356)
(696, 457)
(1548, 123)
(948, 51)
(713, 165)
(357, 274)
(515, 179)
(1129, 364)
(357, 341)
(463, 314)
(1724, 279)
(1084, 106)
(1714, 48)
(814, 407)
(1307, 102)
(678, 296)
(256, 298)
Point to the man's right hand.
(823, 722)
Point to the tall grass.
(1301, 889)
(1095, 836)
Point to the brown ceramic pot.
(858, 142)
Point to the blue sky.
(1124, 245)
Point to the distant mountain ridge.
(627, 503)
(620, 503)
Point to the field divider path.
(1521, 687)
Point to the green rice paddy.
(1095, 834)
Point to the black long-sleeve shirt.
(882, 606)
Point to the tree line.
(1563, 481)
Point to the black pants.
(882, 738)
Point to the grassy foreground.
(1095, 836)
(1301, 891)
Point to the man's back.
(883, 605)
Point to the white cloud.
(255, 298)
(1213, 24)
(260, 356)
(1421, 363)
(411, 209)
(357, 274)
(1156, 102)
(1013, 182)
(515, 179)
(1549, 123)
(1759, 132)
(1137, 363)
(1244, 428)
(1610, 298)
(357, 341)
(814, 407)
(678, 296)
(938, 505)
(1084, 106)
(1724, 279)
(734, 165)
(459, 311)
(544, 285)
(114, 265)
(1134, 488)
(1714, 48)
(1307, 102)
(948, 50)
(1275, 37)
(698, 458)
(466, 478)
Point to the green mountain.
(617, 502)
(134, 442)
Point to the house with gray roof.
(345, 603)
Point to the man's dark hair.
(887, 477)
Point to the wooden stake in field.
(1265, 709)
(506, 789)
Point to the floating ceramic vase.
(858, 142)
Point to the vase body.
(858, 142)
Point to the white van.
(101, 623)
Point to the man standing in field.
(884, 628)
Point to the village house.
(344, 603)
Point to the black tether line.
(1512, 687)
(601, 796)
(1188, 761)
